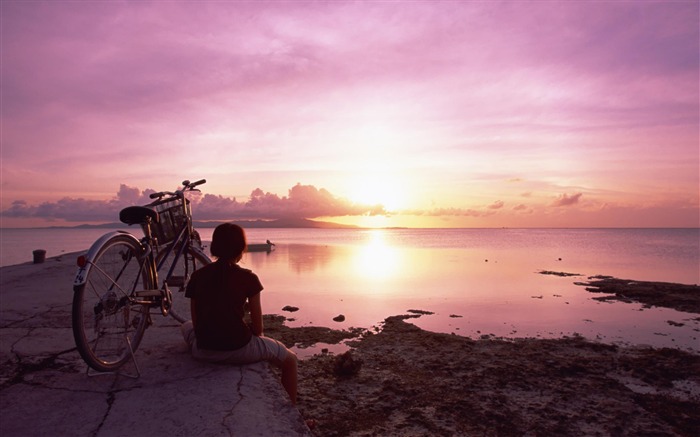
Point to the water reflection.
(377, 259)
(309, 258)
(472, 291)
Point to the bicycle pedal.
(176, 281)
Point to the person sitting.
(218, 294)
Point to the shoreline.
(399, 379)
(414, 382)
(405, 380)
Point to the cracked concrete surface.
(45, 388)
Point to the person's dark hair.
(228, 242)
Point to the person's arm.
(256, 314)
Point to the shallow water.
(476, 281)
(484, 284)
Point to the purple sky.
(445, 113)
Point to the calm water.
(475, 281)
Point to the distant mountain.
(99, 226)
(280, 223)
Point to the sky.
(374, 113)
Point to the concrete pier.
(45, 388)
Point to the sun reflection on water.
(473, 288)
(377, 260)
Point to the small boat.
(268, 246)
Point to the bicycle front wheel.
(107, 326)
(191, 260)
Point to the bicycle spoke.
(112, 297)
(105, 317)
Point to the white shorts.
(257, 349)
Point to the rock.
(291, 309)
(347, 364)
(421, 312)
(339, 318)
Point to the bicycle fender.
(82, 273)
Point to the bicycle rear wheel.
(190, 261)
(107, 326)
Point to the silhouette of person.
(218, 293)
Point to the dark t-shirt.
(221, 290)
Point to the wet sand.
(401, 380)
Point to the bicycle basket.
(171, 219)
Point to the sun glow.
(377, 259)
(378, 189)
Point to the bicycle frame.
(117, 285)
(186, 242)
(181, 244)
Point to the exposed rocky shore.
(403, 380)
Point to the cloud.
(523, 209)
(454, 212)
(85, 210)
(483, 211)
(566, 200)
(303, 201)
(585, 92)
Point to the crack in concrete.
(232, 410)
(27, 334)
(111, 397)
(24, 368)
(114, 392)
(51, 308)
(26, 365)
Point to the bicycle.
(118, 282)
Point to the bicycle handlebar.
(190, 185)
(186, 185)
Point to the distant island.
(279, 223)
(246, 224)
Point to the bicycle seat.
(137, 215)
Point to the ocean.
(475, 282)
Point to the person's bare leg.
(289, 376)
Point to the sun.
(378, 189)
